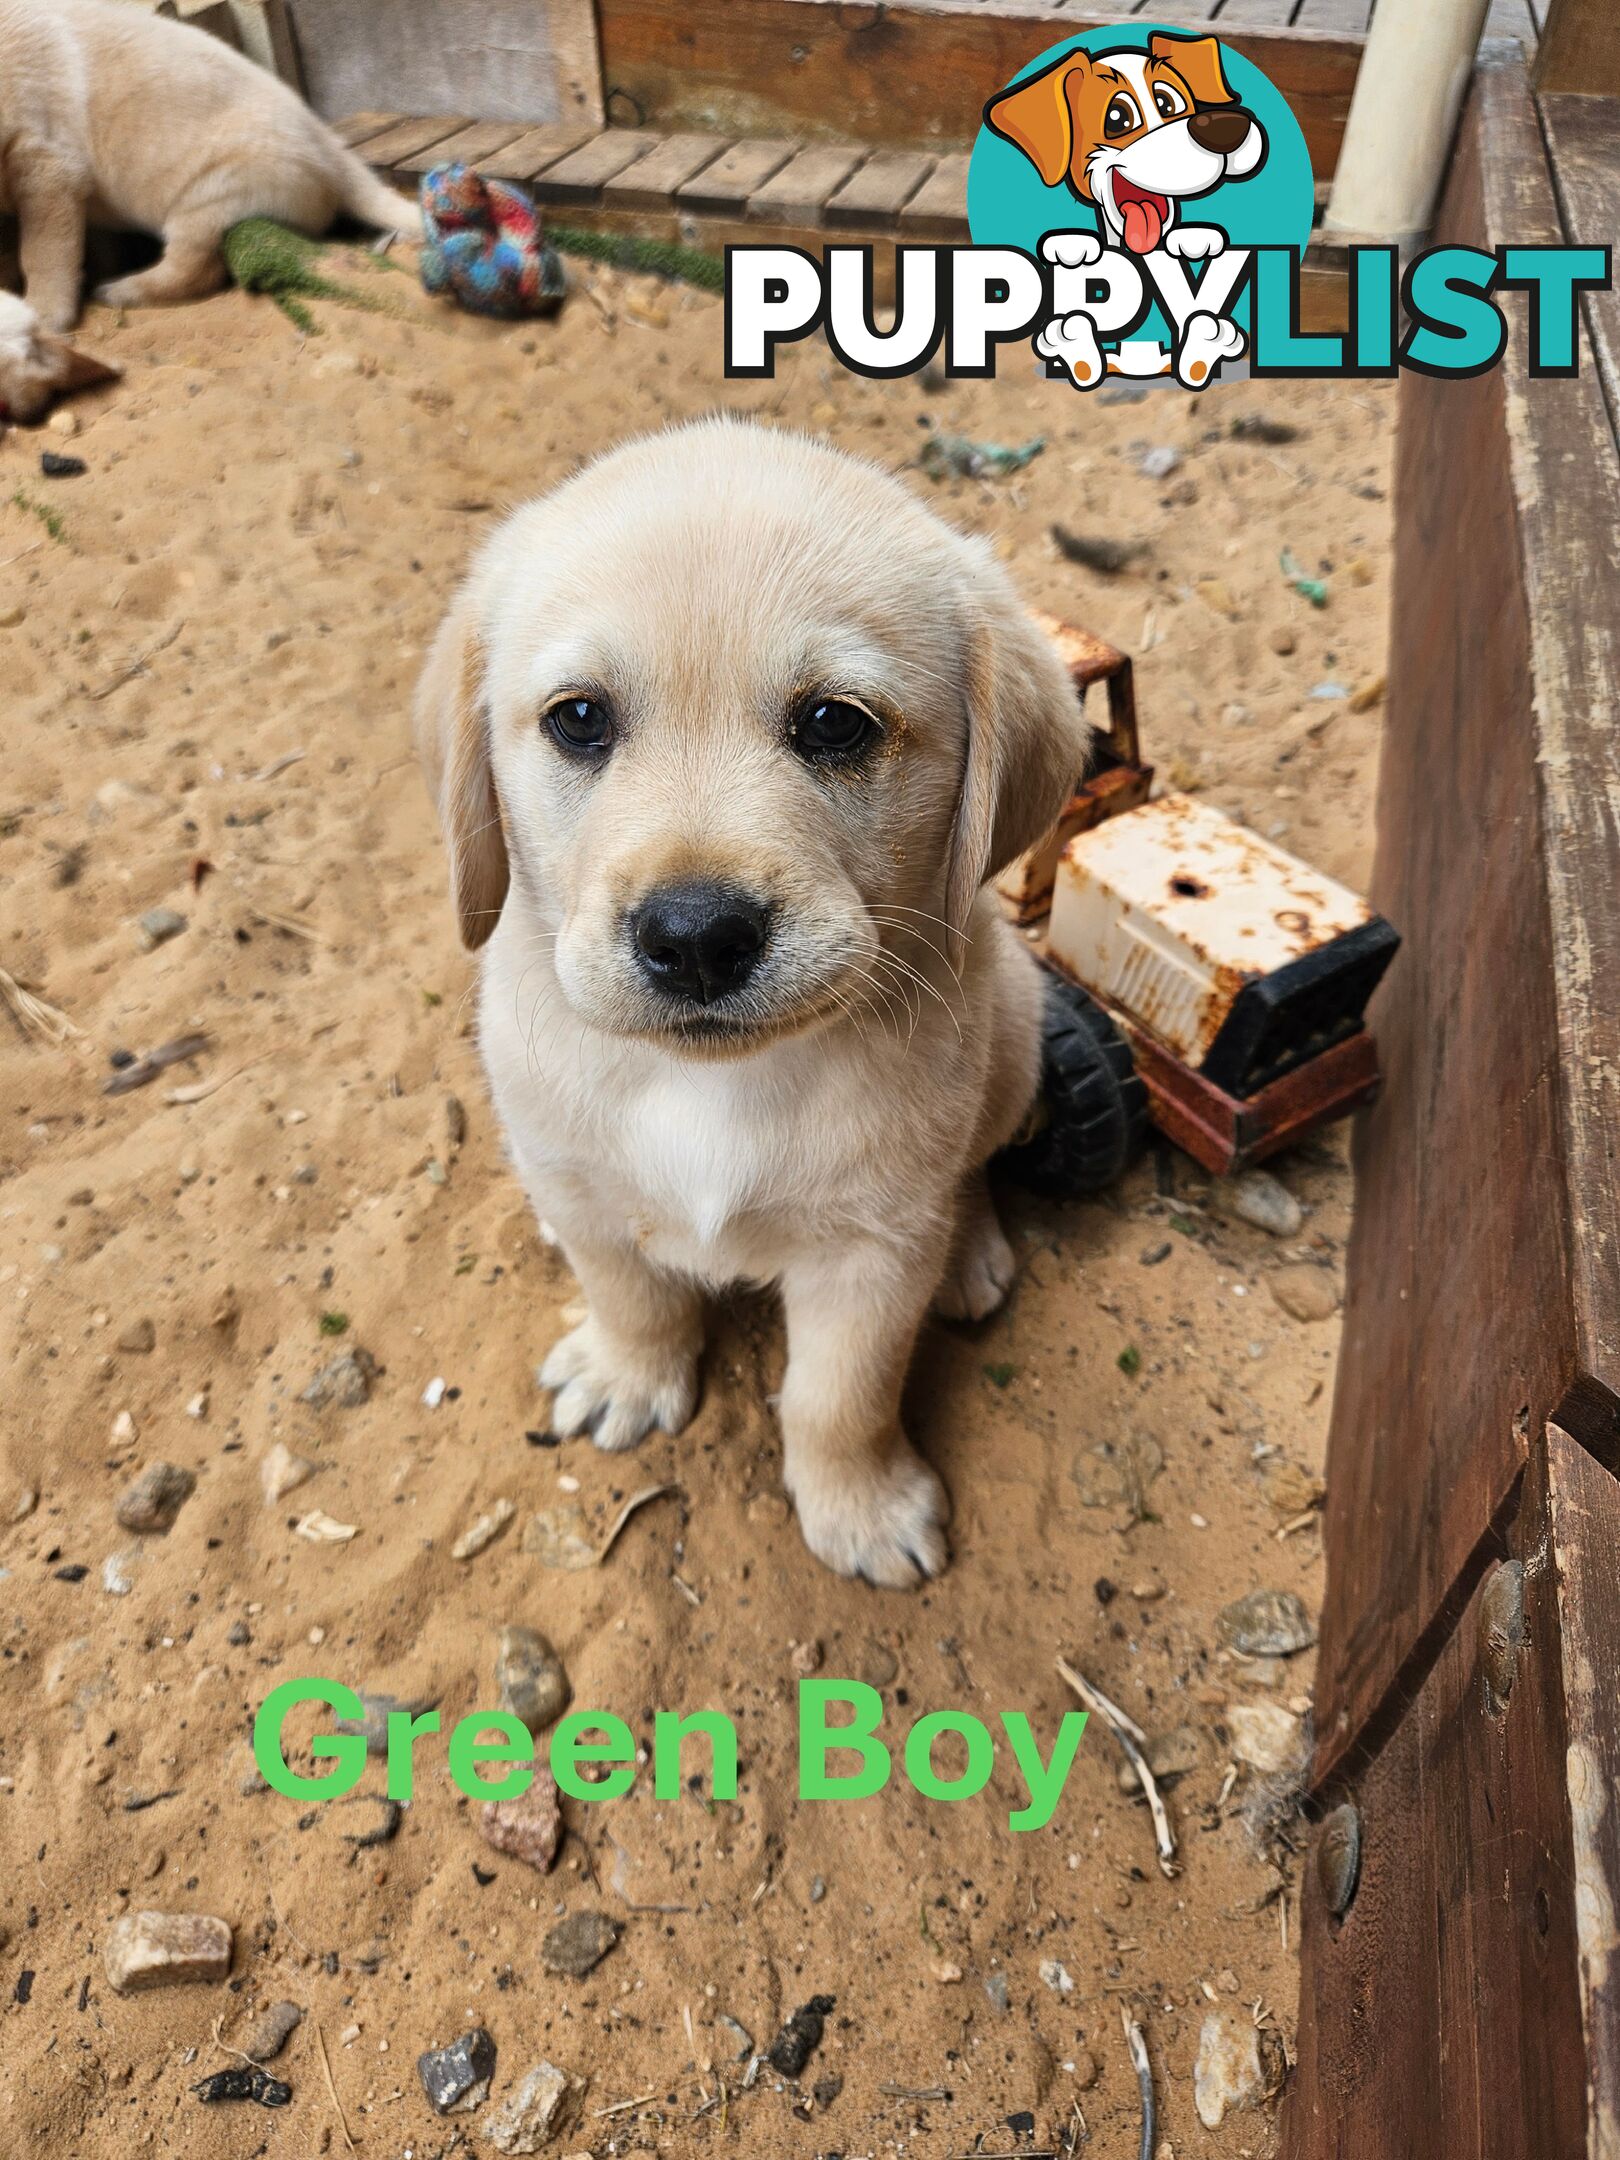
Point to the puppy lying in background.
(37, 367)
(110, 115)
(726, 736)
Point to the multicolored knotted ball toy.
(484, 246)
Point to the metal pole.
(1414, 71)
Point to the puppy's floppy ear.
(452, 740)
(1027, 748)
(1037, 118)
(70, 370)
(1197, 60)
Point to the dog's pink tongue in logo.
(1143, 215)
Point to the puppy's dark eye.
(580, 723)
(1121, 116)
(1167, 102)
(832, 728)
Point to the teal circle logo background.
(1008, 205)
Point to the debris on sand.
(800, 2036)
(378, 1709)
(150, 1063)
(1137, 2044)
(1290, 1490)
(256, 2085)
(457, 2078)
(1266, 1623)
(959, 457)
(1134, 1742)
(157, 926)
(531, 2113)
(530, 1827)
(386, 1816)
(1096, 551)
(1169, 1755)
(150, 1504)
(322, 1529)
(281, 1472)
(1240, 2066)
(271, 2030)
(1305, 1292)
(159, 1949)
(344, 1383)
(1260, 428)
(531, 1678)
(1260, 1198)
(1268, 1738)
(483, 1531)
(577, 1945)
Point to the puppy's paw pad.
(1072, 250)
(615, 1394)
(885, 1523)
(979, 1277)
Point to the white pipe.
(1414, 71)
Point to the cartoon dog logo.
(1135, 134)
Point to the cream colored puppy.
(37, 367)
(110, 115)
(726, 735)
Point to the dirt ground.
(208, 642)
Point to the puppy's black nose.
(698, 941)
(1220, 128)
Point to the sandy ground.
(209, 661)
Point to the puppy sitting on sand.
(726, 736)
(113, 116)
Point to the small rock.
(323, 1529)
(1240, 2065)
(345, 1383)
(826, 2090)
(1056, 1977)
(456, 2078)
(455, 1120)
(378, 1710)
(433, 1393)
(947, 1973)
(1169, 1755)
(271, 2030)
(1160, 462)
(741, 2039)
(157, 1949)
(806, 1659)
(1265, 1201)
(530, 1827)
(577, 1945)
(139, 1339)
(800, 2036)
(995, 1987)
(386, 1815)
(530, 2114)
(1305, 1292)
(281, 1472)
(1281, 640)
(157, 926)
(1097, 551)
(1268, 1738)
(125, 1432)
(1087, 2070)
(1155, 1255)
(239, 1635)
(150, 1505)
(1289, 1489)
(115, 1571)
(1266, 1623)
(24, 1505)
(532, 1680)
(64, 421)
(558, 1538)
(483, 1532)
(879, 1665)
(1261, 428)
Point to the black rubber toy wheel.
(1092, 1115)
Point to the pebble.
(1305, 1292)
(157, 926)
(115, 1571)
(64, 421)
(879, 1665)
(1266, 1623)
(1281, 640)
(456, 2078)
(139, 1339)
(158, 1949)
(1288, 1488)
(1154, 1255)
(800, 2035)
(483, 1532)
(24, 1505)
(1169, 1755)
(530, 1827)
(1259, 1198)
(384, 1825)
(270, 2031)
(558, 1538)
(373, 1727)
(125, 1432)
(152, 1502)
(1057, 1977)
(529, 2115)
(531, 1677)
(344, 1383)
(455, 1120)
(1240, 2065)
(577, 1945)
(995, 1987)
(1160, 462)
(806, 1659)
(282, 1472)
(1267, 1737)
(947, 1973)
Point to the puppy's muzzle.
(700, 941)
(1221, 130)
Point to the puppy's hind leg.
(50, 241)
(980, 1270)
(191, 267)
(631, 1366)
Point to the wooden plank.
(652, 180)
(1580, 48)
(798, 194)
(493, 59)
(723, 188)
(1443, 2013)
(938, 210)
(360, 127)
(1458, 1312)
(913, 74)
(468, 146)
(1345, 18)
(407, 138)
(578, 177)
(1583, 134)
(876, 192)
(1512, 18)
(536, 151)
(1254, 14)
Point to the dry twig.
(1132, 1740)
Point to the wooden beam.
(578, 178)
(535, 151)
(723, 188)
(650, 182)
(1580, 48)
(798, 194)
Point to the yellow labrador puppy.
(726, 736)
(110, 115)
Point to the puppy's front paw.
(1193, 242)
(1206, 342)
(1071, 340)
(1072, 250)
(124, 292)
(617, 1392)
(980, 1274)
(882, 1519)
